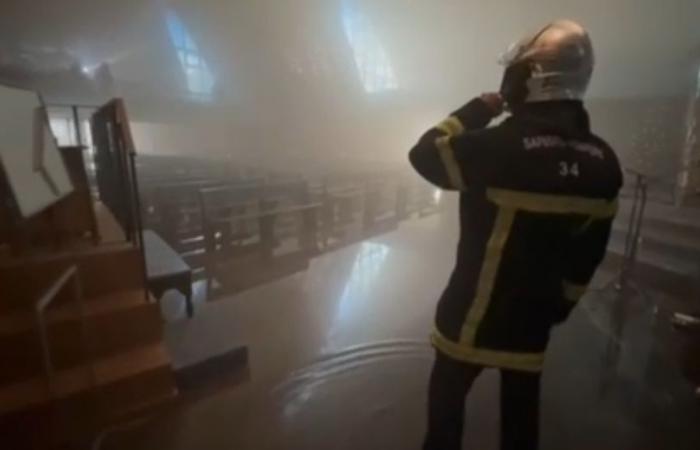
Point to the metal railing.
(70, 275)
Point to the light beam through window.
(373, 65)
(200, 82)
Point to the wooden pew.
(286, 193)
(250, 248)
(166, 270)
(205, 219)
(381, 206)
(218, 205)
(176, 210)
(342, 197)
(182, 168)
(418, 198)
(175, 214)
(358, 205)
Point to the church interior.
(211, 236)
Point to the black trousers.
(450, 383)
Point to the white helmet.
(554, 64)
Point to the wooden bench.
(381, 204)
(265, 254)
(166, 270)
(176, 212)
(418, 197)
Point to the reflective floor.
(339, 359)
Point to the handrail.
(39, 310)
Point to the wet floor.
(339, 359)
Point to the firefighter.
(538, 194)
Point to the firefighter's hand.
(494, 101)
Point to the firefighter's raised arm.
(434, 156)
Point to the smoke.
(301, 82)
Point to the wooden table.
(166, 269)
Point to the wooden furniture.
(166, 270)
(341, 206)
(29, 153)
(177, 208)
(356, 206)
(248, 245)
(59, 226)
(114, 170)
(419, 198)
(92, 355)
(381, 213)
(214, 215)
(78, 214)
(125, 371)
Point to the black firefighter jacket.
(538, 194)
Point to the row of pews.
(238, 228)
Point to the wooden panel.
(103, 270)
(78, 216)
(113, 150)
(34, 391)
(270, 256)
(107, 332)
(79, 415)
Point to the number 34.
(568, 169)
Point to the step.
(104, 374)
(106, 320)
(678, 227)
(664, 218)
(77, 418)
(26, 280)
(18, 320)
(682, 246)
(664, 272)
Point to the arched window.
(375, 69)
(200, 82)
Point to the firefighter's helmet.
(554, 64)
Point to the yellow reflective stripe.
(451, 126)
(447, 154)
(574, 292)
(529, 362)
(554, 204)
(487, 277)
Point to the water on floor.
(339, 359)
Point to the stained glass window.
(200, 82)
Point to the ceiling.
(438, 48)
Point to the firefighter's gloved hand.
(494, 101)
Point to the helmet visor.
(515, 51)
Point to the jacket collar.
(568, 117)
